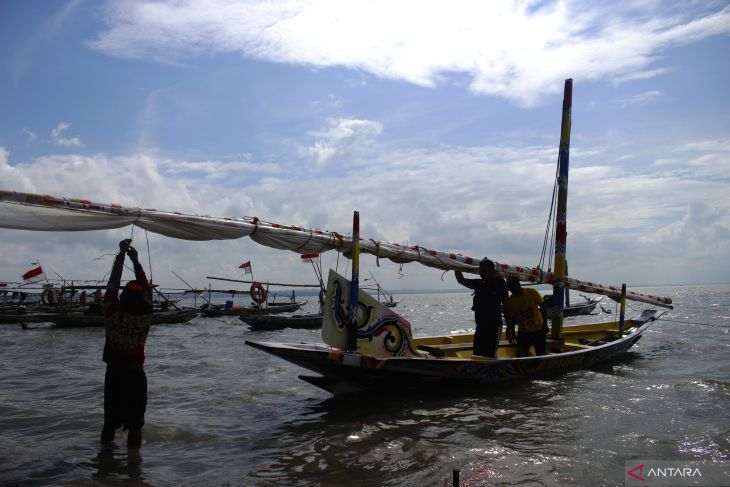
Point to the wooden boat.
(368, 347)
(278, 322)
(365, 344)
(387, 297)
(573, 309)
(159, 317)
(581, 308)
(26, 317)
(387, 356)
(271, 308)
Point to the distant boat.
(72, 319)
(259, 292)
(573, 309)
(387, 297)
(278, 322)
(159, 317)
(26, 317)
(271, 308)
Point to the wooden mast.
(561, 230)
(354, 284)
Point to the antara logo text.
(663, 472)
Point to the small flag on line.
(246, 266)
(34, 275)
(309, 258)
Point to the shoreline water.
(221, 413)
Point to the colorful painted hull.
(348, 372)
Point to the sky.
(438, 121)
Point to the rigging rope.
(550, 227)
(149, 256)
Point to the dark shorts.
(535, 339)
(125, 398)
(486, 338)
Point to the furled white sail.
(27, 211)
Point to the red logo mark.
(639, 476)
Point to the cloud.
(707, 159)
(640, 99)
(345, 138)
(479, 200)
(31, 135)
(56, 136)
(516, 50)
(640, 75)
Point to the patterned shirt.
(126, 333)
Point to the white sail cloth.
(26, 211)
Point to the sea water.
(223, 413)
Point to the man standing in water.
(489, 294)
(127, 321)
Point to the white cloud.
(519, 51)
(57, 136)
(31, 135)
(490, 200)
(345, 138)
(639, 75)
(641, 98)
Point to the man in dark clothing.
(127, 321)
(489, 294)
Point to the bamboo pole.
(266, 283)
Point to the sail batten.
(27, 211)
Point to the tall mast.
(354, 284)
(561, 229)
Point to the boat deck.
(574, 338)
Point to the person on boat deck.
(127, 321)
(489, 294)
(522, 308)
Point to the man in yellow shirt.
(523, 309)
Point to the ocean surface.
(222, 413)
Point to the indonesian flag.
(3, 284)
(309, 258)
(246, 266)
(34, 275)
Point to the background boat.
(278, 322)
(217, 310)
(159, 317)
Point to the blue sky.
(438, 121)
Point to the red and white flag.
(246, 266)
(309, 258)
(34, 275)
(3, 284)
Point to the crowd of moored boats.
(82, 306)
